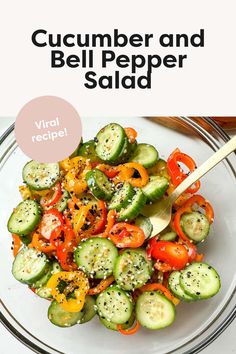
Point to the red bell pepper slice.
(175, 171)
(53, 198)
(126, 235)
(65, 241)
(173, 254)
(50, 220)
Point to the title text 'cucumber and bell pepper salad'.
(80, 239)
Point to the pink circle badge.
(48, 129)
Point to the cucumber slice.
(131, 270)
(110, 141)
(61, 205)
(145, 224)
(122, 197)
(40, 176)
(61, 318)
(25, 239)
(42, 281)
(29, 266)
(168, 236)
(159, 169)
(195, 225)
(76, 152)
(115, 305)
(89, 310)
(200, 280)
(173, 283)
(143, 252)
(45, 292)
(99, 184)
(154, 311)
(113, 326)
(56, 268)
(125, 152)
(133, 209)
(88, 150)
(24, 218)
(156, 187)
(96, 257)
(145, 154)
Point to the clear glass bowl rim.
(199, 346)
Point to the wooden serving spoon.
(160, 211)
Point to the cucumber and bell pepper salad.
(80, 239)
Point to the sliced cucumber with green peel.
(134, 207)
(42, 281)
(113, 326)
(200, 280)
(45, 292)
(173, 283)
(131, 270)
(110, 142)
(29, 266)
(24, 218)
(96, 257)
(88, 151)
(195, 225)
(155, 188)
(40, 176)
(125, 152)
(25, 239)
(145, 224)
(61, 318)
(115, 305)
(89, 310)
(159, 169)
(61, 205)
(56, 267)
(168, 236)
(154, 311)
(99, 184)
(122, 197)
(145, 154)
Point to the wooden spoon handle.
(221, 154)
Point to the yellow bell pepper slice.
(79, 217)
(77, 283)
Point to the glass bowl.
(197, 324)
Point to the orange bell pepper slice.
(131, 134)
(135, 182)
(129, 331)
(162, 288)
(187, 208)
(41, 244)
(16, 244)
(101, 286)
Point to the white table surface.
(224, 344)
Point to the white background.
(205, 86)
(9, 345)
